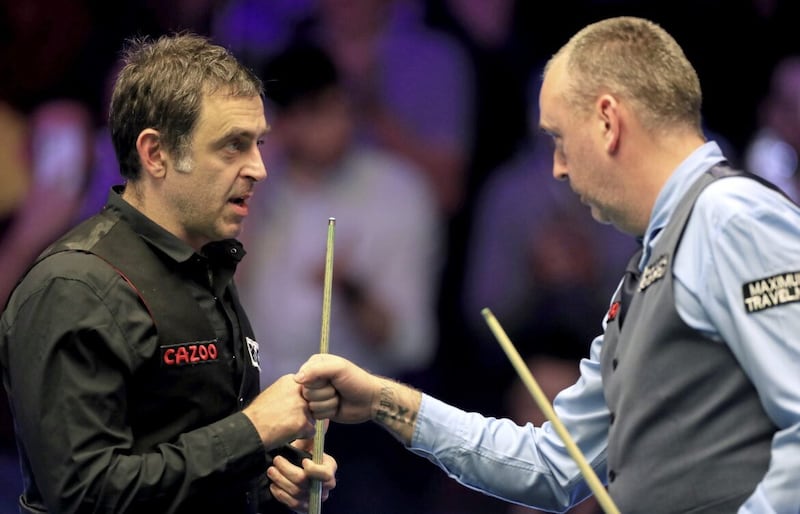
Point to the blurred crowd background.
(413, 123)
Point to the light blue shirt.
(738, 233)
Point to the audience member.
(774, 149)
(257, 30)
(14, 177)
(502, 54)
(536, 258)
(56, 157)
(420, 107)
(387, 232)
(386, 259)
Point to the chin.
(598, 216)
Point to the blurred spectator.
(57, 157)
(387, 228)
(105, 168)
(256, 30)
(774, 149)
(411, 86)
(14, 178)
(502, 55)
(536, 257)
(387, 259)
(14, 174)
(41, 42)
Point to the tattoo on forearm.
(390, 412)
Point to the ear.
(151, 153)
(608, 109)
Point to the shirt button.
(234, 251)
(241, 401)
(614, 363)
(611, 475)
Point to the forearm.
(170, 477)
(395, 407)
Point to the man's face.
(578, 154)
(207, 199)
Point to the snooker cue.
(315, 496)
(541, 400)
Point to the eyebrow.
(239, 133)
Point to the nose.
(559, 170)
(255, 169)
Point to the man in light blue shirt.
(690, 400)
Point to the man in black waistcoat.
(130, 364)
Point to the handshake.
(326, 387)
(338, 390)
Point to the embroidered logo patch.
(653, 272)
(183, 354)
(252, 349)
(773, 291)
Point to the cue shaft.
(542, 401)
(315, 497)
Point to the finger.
(324, 410)
(319, 383)
(324, 472)
(299, 505)
(317, 367)
(322, 392)
(287, 476)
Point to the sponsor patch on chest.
(773, 291)
(252, 349)
(189, 354)
(653, 272)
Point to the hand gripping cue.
(315, 497)
(542, 401)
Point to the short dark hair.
(161, 86)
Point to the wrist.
(395, 407)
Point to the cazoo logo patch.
(188, 354)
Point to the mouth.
(240, 203)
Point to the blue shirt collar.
(676, 186)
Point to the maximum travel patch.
(773, 291)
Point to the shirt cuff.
(435, 418)
(237, 443)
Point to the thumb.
(308, 371)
